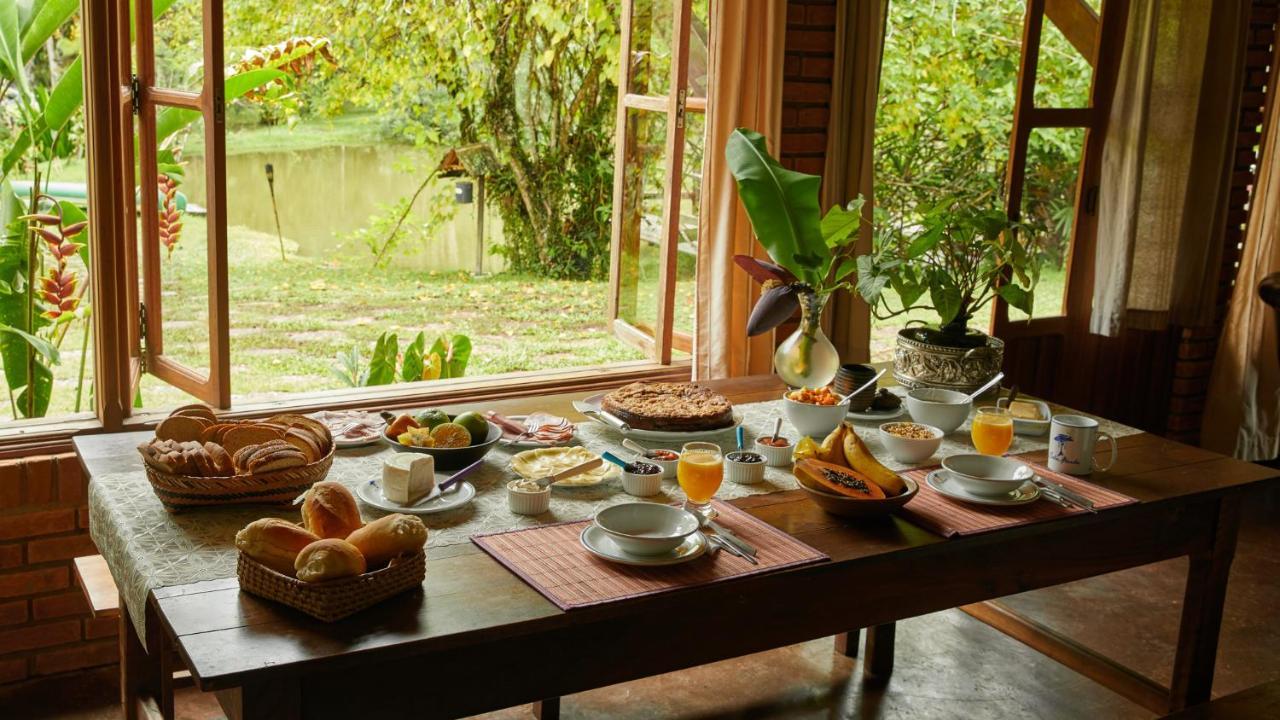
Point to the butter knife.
(1071, 496)
(609, 419)
(728, 547)
(732, 539)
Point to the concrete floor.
(948, 665)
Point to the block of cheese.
(1025, 410)
(408, 477)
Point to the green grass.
(352, 130)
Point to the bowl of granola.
(910, 442)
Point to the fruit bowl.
(452, 458)
(857, 507)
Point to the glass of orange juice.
(700, 470)
(992, 430)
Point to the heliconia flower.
(43, 218)
(776, 305)
(74, 229)
(49, 236)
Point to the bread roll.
(387, 537)
(274, 543)
(330, 511)
(328, 559)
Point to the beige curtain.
(855, 84)
(746, 50)
(1166, 165)
(1242, 412)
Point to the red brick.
(56, 606)
(19, 584)
(795, 13)
(102, 627)
(82, 516)
(804, 142)
(10, 484)
(78, 657)
(808, 92)
(60, 548)
(813, 117)
(44, 522)
(13, 670)
(817, 67)
(38, 636)
(811, 165)
(791, 65)
(72, 485)
(12, 613)
(824, 15)
(811, 40)
(10, 555)
(39, 480)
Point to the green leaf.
(10, 46)
(172, 119)
(382, 365)
(782, 205)
(847, 266)
(45, 348)
(66, 97)
(411, 366)
(925, 242)
(459, 356)
(1016, 297)
(909, 289)
(48, 18)
(839, 223)
(945, 297)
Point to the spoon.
(740, 435)
(637, 448)
(610, 457)
(578, 469)
(986, 386)
(867, 384)
(1013, 395)
(777, 428)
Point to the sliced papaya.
(838, 479)
(400, 425)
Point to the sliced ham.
(537, 427)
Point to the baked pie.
(671, 407)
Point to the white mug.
(1071, 442)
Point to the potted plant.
(812, 256)
(953, 260)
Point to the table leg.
(1202, 602)
(138, 670)
(272, 700)
(878, 663)
(548, 709)
(847, 643)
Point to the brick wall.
(806, 84)
(45, 626)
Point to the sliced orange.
(450, 435)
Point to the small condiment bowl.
(815, 421)
(642, 484)
(745, 467)
(943, 409)
(911, 450)
(987, 475)
(775, 456)
(646, 528)
(668, 466)
(528, 501)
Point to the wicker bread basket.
(279, 487)
(333, 599)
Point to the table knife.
(732, 539)
(728, 547)
(1066, 493)
(608, 419)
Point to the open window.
(657, 164)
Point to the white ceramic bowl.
(528, 502)
(943, 409)
(988, 475)
(642, 485)
(776, 456)
(668, 466)
(646, 528)
(815, 421)
(744, 473)
(1022, 426)
(911, 450)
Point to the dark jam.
(745, 457)
(666, 455)
(845, 479)
(642, 468)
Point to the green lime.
(431, 418)
(475, 424)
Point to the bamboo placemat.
(949, 518)
(552, 560)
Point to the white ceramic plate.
(938, 480)
(348, 444)
(535, 443)
(664, 436)
(877, 415)
(453, 498)
(544, 461)
(598, 543)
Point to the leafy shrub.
(446, 358)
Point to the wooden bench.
(146, 684)
(1259, 701)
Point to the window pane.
(1048, 208)
(651, 26)
(641, 232)
(179, 46)
(699, 42)
(1062, 73)
(690, 201)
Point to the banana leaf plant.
(445, 358)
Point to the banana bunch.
(843, 447)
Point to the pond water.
(325, 193)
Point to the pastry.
(675, 407)
(330, 511)
(408, 477)
(328, 559)
(387, 537)
(274, 543)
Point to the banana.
(832, 448)
(858, 457)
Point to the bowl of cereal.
(910, 442)
(815, 412)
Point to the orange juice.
(699, 472)
(992, 431)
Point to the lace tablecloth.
(148, 548)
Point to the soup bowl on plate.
(645, 528)
(987, 475)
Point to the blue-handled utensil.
(610, 457)
(741, 437)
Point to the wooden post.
(480, 225)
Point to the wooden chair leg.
(847, 643)
(878, 663)
(548, 709)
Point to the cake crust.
(671, 407)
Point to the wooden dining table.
(478, 638)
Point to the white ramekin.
(775, 456)
(743, 473)
(525, 502)
(641, 485)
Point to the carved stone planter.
(918, 363)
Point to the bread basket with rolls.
(197, 459)
(333, 564)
